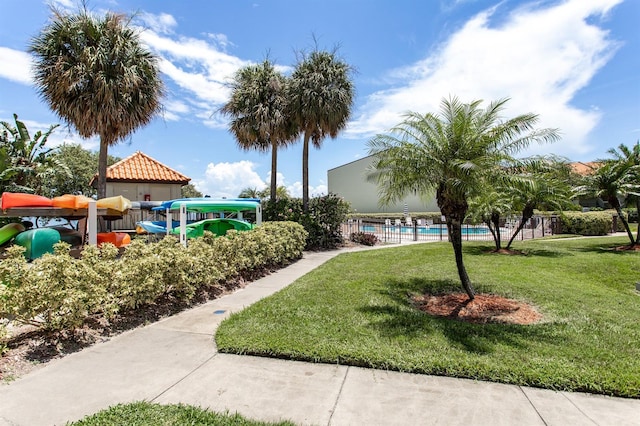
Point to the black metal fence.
(397, 231)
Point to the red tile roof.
(139, 167)
(584, 169)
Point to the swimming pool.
(425, 230)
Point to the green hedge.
(58, 292)
(588, 223)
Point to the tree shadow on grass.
(400, 318)
(529, 252)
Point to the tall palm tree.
(259, 110)
(96, 75)
(453, 152)
(321, 95)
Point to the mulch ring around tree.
(484, 308)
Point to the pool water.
(431, 230)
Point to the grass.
(356, 310)
(145, 413)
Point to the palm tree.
(629, 158)
(453, 152)
(96, 75)
(321, 95)
(259, 110)
(608, 182)
(489, 206)
(540, 184)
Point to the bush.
(57, 292)
(363, 238)
(323, 223)
(587, 224)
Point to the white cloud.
(539, 57)
(229, 179)
(162, 23)
(15, 65)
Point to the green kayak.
(218, 227)
(37, 241)
(9, 231)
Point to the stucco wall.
(137, 191)
(349, 181)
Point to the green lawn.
(145, 413)
(356, 310)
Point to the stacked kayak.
(11, 200)
(9, 231)
(118, 239)
(218, 227)
(37, 241)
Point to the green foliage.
(58, 292)
(147, 414)
(26, 165)
(363, 238)
(190, 191)
(323, 223)
(587, 224)
(83, 165)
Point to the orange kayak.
(17, 199)
(69, 201)
(118, 239)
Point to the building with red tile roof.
(142, 178)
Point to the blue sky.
(575, 63)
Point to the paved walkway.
(175, 360)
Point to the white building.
(349, 181)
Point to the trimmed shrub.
(587, 224)
(323, 223)
(363, 238)
(58, 292)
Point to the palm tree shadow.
(400, 317)
(529, 252)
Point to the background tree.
(26, 164)
(610, 182)
(96, 75)
(321, 95)
(259, 113)
(628, 158)
(489, 207)
(453, 152)
(190, 191)
(542, 185)
(83, 165)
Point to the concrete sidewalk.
(175, 360)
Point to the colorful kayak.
(17, 199)
(69, 201)
(117, 203)
(118, 239)
(209, 205)
(37, 241)
(155, 226)
(202, 201)
(9, 231)
(69, 236)
(218, 227)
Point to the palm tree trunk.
(455, 232)
(495, 219)
(616, 205)
(527, 213)
(305, 173)
(274, 171)
(102, 168)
